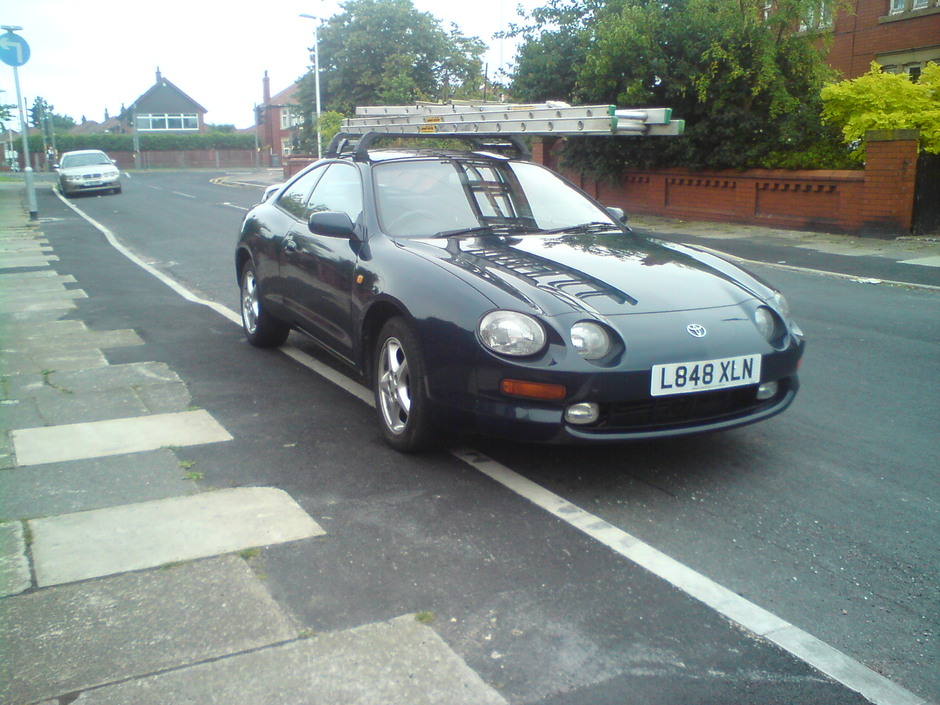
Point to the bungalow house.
(163, 108)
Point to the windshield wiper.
(593, 227)
(495, 229)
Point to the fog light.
(767, 390)
(583, 413)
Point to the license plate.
(705, 375)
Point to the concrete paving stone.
(18, 299)
(54, 444)
(14, 565)
(73, 637)
(69, 408)
(22, 262)
(64, 488)
(20, 413)
(933, 261)
(33, 384)
(399, 661)
(29, 306)
(116, 376)
(165, 398)
(129, 537)
(16, 362)
(7, 459)
(44, 280)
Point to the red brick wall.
(870, 30)
(878, 200)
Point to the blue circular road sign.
(14, 51)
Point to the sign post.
(14, 51)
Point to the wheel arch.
(375, 317)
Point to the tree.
(6, 113)
(885, 101)
(42, 111)
(386, 51)
(742, 74)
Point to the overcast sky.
(92, 56)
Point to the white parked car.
(87, 170)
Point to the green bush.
(148, 142)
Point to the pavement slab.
(65, 488)
(52, 444)
(399, 661)
(14, 566)
(100, 542)
(69, 638)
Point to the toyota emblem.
(696, 331)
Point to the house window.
(817, 17)
(898, 6)
(153, 122)
(290, 118)
(920, 4)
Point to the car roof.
(84, 151)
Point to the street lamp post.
(316, 78)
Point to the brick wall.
(870, 30)
(189, 159)
(876, 201)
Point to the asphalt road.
(826, 515)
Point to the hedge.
(148, 142)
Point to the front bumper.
(71, 186)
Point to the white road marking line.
(184, 195)
(232, 205)
(803, 645)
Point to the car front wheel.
(399, 385)
(261, 328)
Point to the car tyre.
(399, 376)
(261, 328)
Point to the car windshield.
(72, 160)
(440, 197)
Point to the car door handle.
(290, 244)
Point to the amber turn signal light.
(533, 390)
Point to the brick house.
(164, 108)
(901, 35)
(277, 119)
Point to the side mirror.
(618, 214)
(332, 224)
(270, 191)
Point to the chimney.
(159, 75)
(267, 88)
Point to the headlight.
(590, 340)
(766, 323)
(783, 308)
(511, 333)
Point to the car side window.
(294, 198)
(340, 189)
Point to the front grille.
(684, 409)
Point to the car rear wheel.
(261, 328)
(399, 385)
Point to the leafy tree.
(381, 51)
(330, 123)
(43, 110)
(885, 101)
(6, 113)
(745, 79)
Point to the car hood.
(89, 169)
(612, 273)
